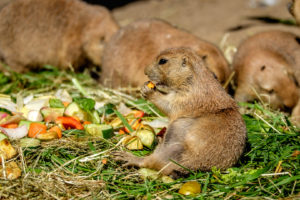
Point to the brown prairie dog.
(61, 33)
(267, 67)
(136, 45)
(205, 128)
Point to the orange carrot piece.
(12, 125)
(66, 104)
(104, 161)
(36, 128)
(69, 122)
(138, 113)
(134, 126)
(76, 118)
(57, 130)
(86, 122)
(121, 132)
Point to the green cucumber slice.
(2, 136)
(147, 137)
(29, 142)
(102, 130)
(95, 117)
(73, 110)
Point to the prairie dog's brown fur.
(205, 128)
(294, 8)
(267, 66)
(135, 46)
(62, 33)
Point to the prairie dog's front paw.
(147, 89)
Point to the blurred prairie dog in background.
(267, 67)
(61, 33)
(136, 45)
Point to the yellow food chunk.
(190, 188)
(150, 85)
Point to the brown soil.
(209, 19)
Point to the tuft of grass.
(72, 167)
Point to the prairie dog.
(136, 45)
(267, 67)
(205, 128)
(61, 33)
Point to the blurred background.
(208, 19)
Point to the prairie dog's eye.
(162, 61)
(263, 68)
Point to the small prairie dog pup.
(62, 33)
(267, 67)
(205, 127)
(136, 45)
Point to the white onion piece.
(99, 105)
(158, 123)
(63, 95)
(15, 133)
(35, 116)
(27, 99)
(123, 109)
(8, 104)
(37, 104)
(12, 119)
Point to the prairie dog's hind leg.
(159, 160)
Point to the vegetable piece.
(3, 110)
(138, 113)
(2, 136)
(190, 188)
(12, 125)
(12, 171)
(50, 114)
(3, 115)
(50, 135)
(66, 104)
(15, 133)
(57, 130)
(135, 124)
(147, 173)
(73, 109)
(86, 122)
(6, 150)
(86, 104)
(95, 117)
(101, 130)
(34, 115)
(7, 105)
(56, 103)
(150, 85)
(29, 142)
(116, 123)
(36, 129)
(124, 121)
(147, 137)
(69, 123)
(132, 143)
(11, 119)
(27, 123)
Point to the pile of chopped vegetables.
(34, 120)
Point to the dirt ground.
(210, 19)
